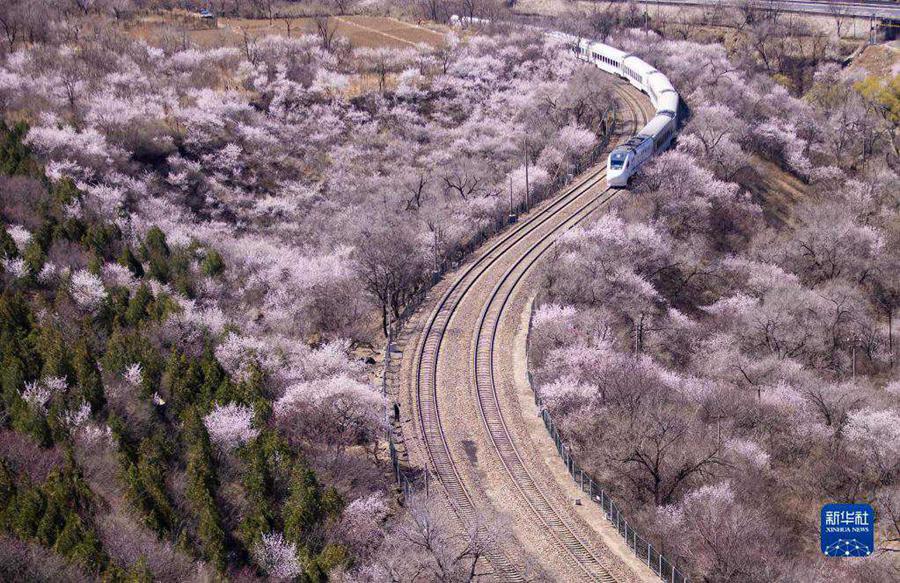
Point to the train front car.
(617, 166)
(624, 161)
(626, 158)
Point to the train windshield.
(617, 160)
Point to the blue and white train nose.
(618, 168)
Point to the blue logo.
(848, 530)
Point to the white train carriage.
(637, 72)
(659, 132)
(657, 86)
(625, 159)
(606, 57)
(667, 104)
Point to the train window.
(617, 160)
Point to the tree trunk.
(891, 336)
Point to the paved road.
(872, 9)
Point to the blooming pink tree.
(230, 425)
(277, 557)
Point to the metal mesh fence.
(641, 547)
(404, 478)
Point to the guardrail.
(641, 547)
(401, 476)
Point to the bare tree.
(11, 21)
(250, 47)
(326, 31)
(840, 13)
(391, 266)
(265, 8)
(661, 460)
(429, 544)
(342, 6)
(433, 10)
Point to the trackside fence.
(641, 547)
(403, 476)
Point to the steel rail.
(428, 351)
(426, 368)
(492, 416)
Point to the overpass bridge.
(886, 13)
(880, 9)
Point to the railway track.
(536, 235)
(492, 415)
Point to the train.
(657, 135)
(625, 159)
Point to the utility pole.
(434, 249)
(526, 175)
(512, 217)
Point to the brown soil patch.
(359, 31)
(880, 60)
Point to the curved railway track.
(524, 244)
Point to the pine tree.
(54, 352)
(8, 248)
(303, 511)
(201, 490)
(17, 334)
(52, 522)
(143, 471)
(64, 191)
(81, 545)
(128, 260)
(112, 313)
(26, 511)
(180, 273)
(150, 474)
(99, 238)
(155, 243)
(258, 482)
(87, 375)
(139, 572)
(26, 419)
(34, 257)
(7, 492)
(15, 156)
(156, 252)
(116, 357)
(215, 379)
(213, 264)
(176, 364)
(137, 310)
